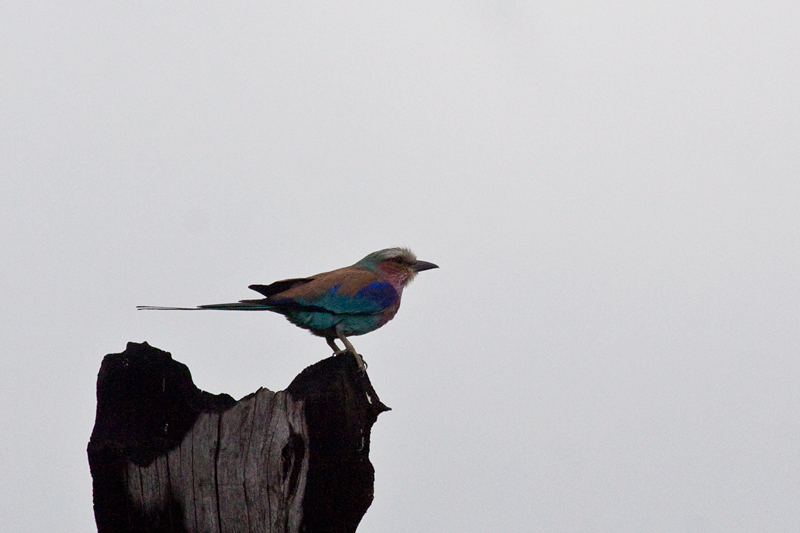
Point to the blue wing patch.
(379, 293)
(354, 314)
(372, 298)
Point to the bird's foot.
(348, 347)
(362, 365)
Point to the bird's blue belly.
(324, 324)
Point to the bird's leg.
(349, 348)
(332, 343)
(347, 344)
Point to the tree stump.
(168, 457)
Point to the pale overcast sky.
(611, 189)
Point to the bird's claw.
(362, 365)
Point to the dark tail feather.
(239, 306)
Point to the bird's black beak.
(419, 266)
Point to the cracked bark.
(168, 457)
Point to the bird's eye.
(397, 259)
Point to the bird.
(342, 303)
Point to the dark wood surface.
(166, 456)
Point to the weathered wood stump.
(168, 457)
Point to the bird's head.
(399, 265)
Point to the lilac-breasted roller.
(341, 303)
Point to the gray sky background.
(610, 188)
